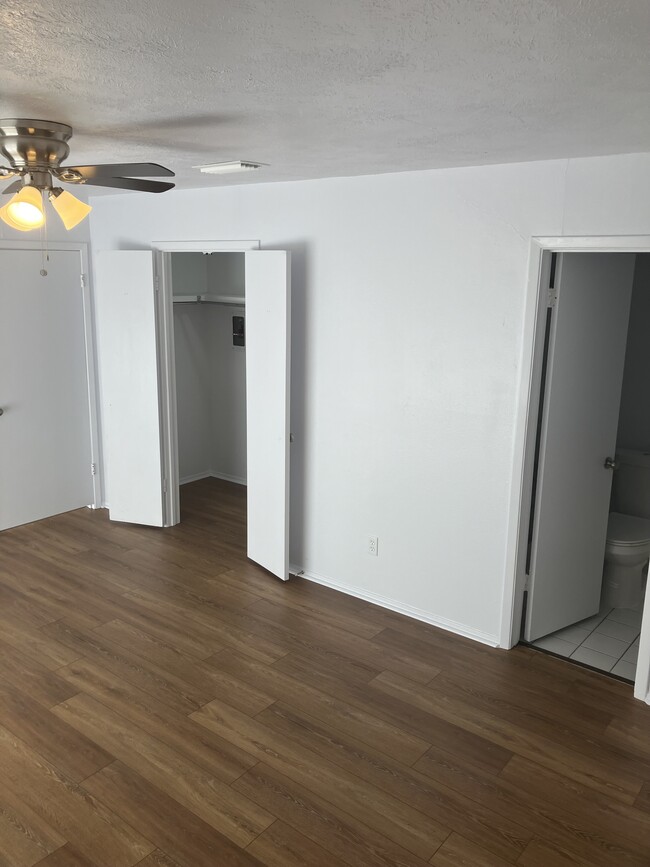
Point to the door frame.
(166, 355)
(90, 344)
(531, 360)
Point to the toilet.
(627, 550)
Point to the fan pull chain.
(45, 253)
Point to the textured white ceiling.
(324, 88)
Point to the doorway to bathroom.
(583, 534)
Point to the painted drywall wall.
(228, 396)
(226, 274)
(226, 277)
(634, 418)
(189, 273)
(193, 391)
(193, 364)
(210, 393)
(408, 310)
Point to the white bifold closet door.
(268, 360)
(131, 391)
(125, 309)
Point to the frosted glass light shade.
(24, 211)
(70, 209)
(4, 216)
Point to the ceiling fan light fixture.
(4, 216)
(230, 167)
(70, 209)
(24, 211)
(35, 150)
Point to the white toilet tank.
(631, 484)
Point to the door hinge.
(156, 283)
(93, 469)
(552, 296)
(83, 280)
(164, 486)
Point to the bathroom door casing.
(579, 425)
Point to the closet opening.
(223, 336)
(209, 323)
(175, 313)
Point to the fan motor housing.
(34, 144)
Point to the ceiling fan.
(35, 150)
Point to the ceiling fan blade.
(122, 170)
(131, 184)
(13, 188)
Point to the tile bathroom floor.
(608, 641)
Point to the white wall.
(408, 304)
(226, 274)
(634, 418)
(189, 273)
(193, 363)
(210, 393)
(193, 391)
(228, 396)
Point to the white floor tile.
(625, 669)
(631, 655)
(626, 615)
(592, 622)
(618, 630)
(556, 645)
(573, 634)
(593, 658)
(604, 644)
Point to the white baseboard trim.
(236, 479)
(212, 475)
(195, 478)
(400, 608)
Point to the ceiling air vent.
(229, 168)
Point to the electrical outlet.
(373, 545)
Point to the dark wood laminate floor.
(163, 702)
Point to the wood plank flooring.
(164, 702)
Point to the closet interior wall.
(210, 371)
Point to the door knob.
(610, 464)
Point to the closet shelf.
(230, 300)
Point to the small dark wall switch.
(238, 331)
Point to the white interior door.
(45, 432)
(580, 419)
(128, 369)
(268, 335)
